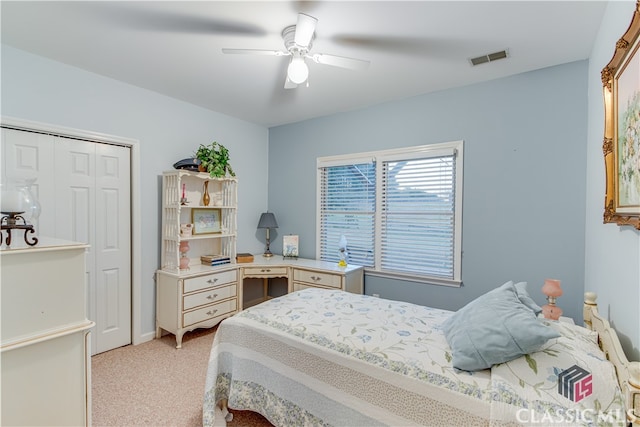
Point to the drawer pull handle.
(211, 312)
(265, 270)
(212, 296)
(212, 281)
(316, 279)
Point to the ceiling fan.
(298, 40)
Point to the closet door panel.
(113, 247)
(75, 210)
(75, 190)
(28, 155)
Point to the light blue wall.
(524, 178)
(612, 262)
(525, 145)
(37, 89)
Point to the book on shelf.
(210, 258)
(215, 259)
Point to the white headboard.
(628, 372)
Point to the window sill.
(413, 278)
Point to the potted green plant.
(214, 158)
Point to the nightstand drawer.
(210, 280)
(265, 272)
(209, 312)
(209, 296)
(315, 278)
(297, 286)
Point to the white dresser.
(45, 351)
(201, 298)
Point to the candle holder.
(20, 209)
(183, 199)
(15, 221)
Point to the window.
(400, 211)
(348, 206)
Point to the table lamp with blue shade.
(267, 221)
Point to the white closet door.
(75, 211)
(84, 191)
(95, 209)
(113, 247)
(30, 155)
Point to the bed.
(322, 357)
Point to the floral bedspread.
(323, 357)
(526, 390)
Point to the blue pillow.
(523, 296)
(494, 328)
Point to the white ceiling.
(415, 47)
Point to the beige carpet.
(155, 384)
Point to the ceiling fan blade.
(340, 61)
(255, 52)
(434, 47)
(170, 17)
(304, 29)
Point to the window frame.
(407, 153)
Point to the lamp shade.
(551, 288)
(267, 220)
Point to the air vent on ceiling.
(489, 57)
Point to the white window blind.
(400, 212)
(347, 207)
(417, 216)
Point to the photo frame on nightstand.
(290, 246)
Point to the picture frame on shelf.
(621, 143)
(206, 221)
(290, 246)
(186, 230)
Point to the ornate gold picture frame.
(621, 145)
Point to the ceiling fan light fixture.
(298, 40)
(298, 71)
